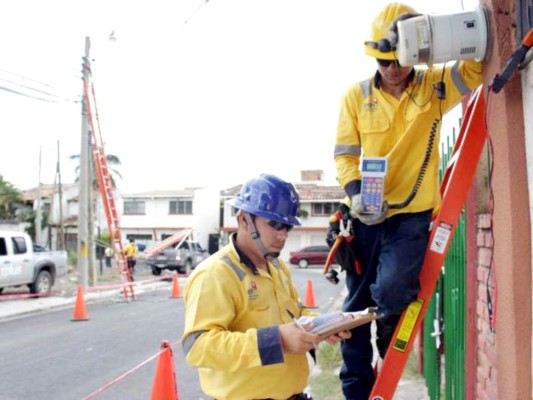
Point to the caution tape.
(122, 285)
(26, 295)
(128, 373)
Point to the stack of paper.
(334, 322)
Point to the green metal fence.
(447, 313)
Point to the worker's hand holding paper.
(331, 323)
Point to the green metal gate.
(447, 314)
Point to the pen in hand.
(299, 325)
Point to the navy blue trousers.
(391, 256)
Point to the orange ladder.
(106, 190)
(454, 190)
(169, 241)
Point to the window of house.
(180, 207)
(320, 209)
(134, 207)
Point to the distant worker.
(108, 254)
(130, 251)
(240, 303)
(393, 120)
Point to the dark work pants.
(391, 256)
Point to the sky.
(190, 93)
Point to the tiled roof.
(307, 192)
(187, 192)
(47, 190)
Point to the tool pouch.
(346, 255)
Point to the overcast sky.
(190, 93)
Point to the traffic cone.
(176, 293)
(310, 296)
(80, 312)
(165, 387)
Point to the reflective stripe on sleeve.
(347, 150)
(458, 80)
(187, 343)
(269, 343)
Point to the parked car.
(24, 263)
(310, 255)
(183, 258)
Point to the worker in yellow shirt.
(392, 121)
(130, 251)
(240, 303)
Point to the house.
(153, 216)
(59, 219)
(317, 202)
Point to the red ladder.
(106, 190)
(454, 190)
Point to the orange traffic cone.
(176, 293)
(80, 312)
(165, 387)
(310, 296)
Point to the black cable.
(490, 306)
(429, 148)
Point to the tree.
(10, 199)
(112, 162)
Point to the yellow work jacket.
(377, 124)
(231, 328)
(131, 250)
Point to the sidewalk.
(66, 289)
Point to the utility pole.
(61, 231)
(83, 221)
(38, 212)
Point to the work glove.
(393, 29)
(357, 211)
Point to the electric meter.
(432, 39)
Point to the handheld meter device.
(373, 170)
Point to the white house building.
(317, 203)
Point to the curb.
(10, 309)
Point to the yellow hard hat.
(378, 45)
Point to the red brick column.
(486, 374)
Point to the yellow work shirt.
(131, 250)
(376, 124)
(231, 328)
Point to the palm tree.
(10, 197)
(112, 162)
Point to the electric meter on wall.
(431, 39)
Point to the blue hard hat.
(269, 197)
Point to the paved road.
(48, 356)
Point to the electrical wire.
(195, 11)
(491, 307)
(42, 95)
(429, 148)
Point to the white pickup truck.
(21, 265)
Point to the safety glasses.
(386, 63)
(279, 226)
(382, 45)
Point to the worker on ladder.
(130, 251)
(392, 122)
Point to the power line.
(48, 96)
(195, 11)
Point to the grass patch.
(325, 383)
